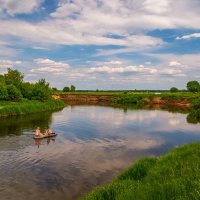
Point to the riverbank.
(183, 99)
(8, 109)
(172, 176)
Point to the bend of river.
(93, 145)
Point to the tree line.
(13, 87)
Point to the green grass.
(28, 107)
(174, 176)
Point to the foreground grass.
(27, 107)
(174, 176)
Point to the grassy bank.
(137, 97)
(27, 107)
(175, 175)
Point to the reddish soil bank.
(170, 102)
(83, 98)
(95, 99)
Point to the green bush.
(41, 93)
(130, 99)
(3, 92)
(26, 89)
(173, 89)
(13, 93)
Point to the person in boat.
(48, 131)
(38, 133)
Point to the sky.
(102, 44)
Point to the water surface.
(94, 144)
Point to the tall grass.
(175, 175)
(28, 107)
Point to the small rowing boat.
(45, 136)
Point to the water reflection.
(43, 141)
(93, 144)
(16, 125)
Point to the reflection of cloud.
(174, 121)
(112, 121)
(73, 165)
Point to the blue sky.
(100, 44)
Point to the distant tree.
(3, 92)
(54, 89)
(13, 93)
(97, 90)
(66, 89)
(173, 89)
(13, 77)
(72, 88)
(193, 86)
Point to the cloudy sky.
(115, 44)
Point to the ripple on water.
(93, 145)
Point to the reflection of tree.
(193, 117)
(15, 125)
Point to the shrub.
(13, 93)
(173, 89)
(3, 92)
(27, 90)
(66, 89)
(41, 92)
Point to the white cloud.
(40, 48)
(174, 64)
(113, 62)
(157, 7)
(49, 66)
(114, 69)
(13, 7)
(189, 61)
(8, 63)
(190, 36)
(173, 72)
(90, 22)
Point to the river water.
(93, 145)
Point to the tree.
(26, 89)
(13, 77)
(193, 86)
(3, 92)
(41, 92)
(54, 89)
(66, 89)
(13, 93)
(72, 88)
(2, 79)
(173, 89)
(43, 82)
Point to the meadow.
(8, 108)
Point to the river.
(93, 145)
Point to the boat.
(45, 136)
